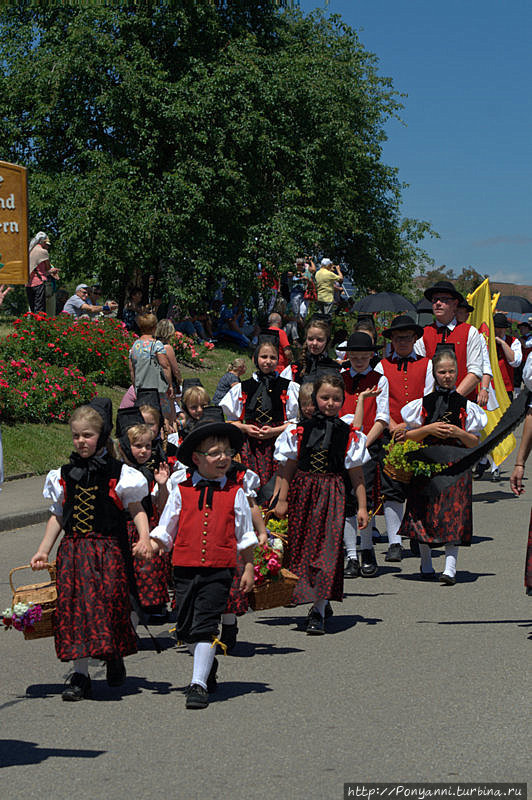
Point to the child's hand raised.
(374, 391)
(162, 473)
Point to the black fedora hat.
(464, 304)
(359, 342)
(443, 287)
(211, 424)
(403, 323)
(500, 320)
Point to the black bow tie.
(444, 331)
(265, 383)
(210, 487)
(82, 470)
(402, 363)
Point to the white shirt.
(474, 360)
(250, 481)
(382, 399)
(131, 488)
(166, 530)
(527, 373)
(476, 419)
(232, 406)
(518, 353)
(287, 443)
(429, 376)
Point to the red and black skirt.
(528, 563)
(238, 600)
(151, 577)
(257, 454)
(93, 606)
(446, 519)
(316, 516)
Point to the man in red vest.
(509, 352)
(465, 338)
(409, 377)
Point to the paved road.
(414, 682)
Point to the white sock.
(228, 619)
(203, 658)
(451, 554)
(393, 514)
(81, 665)
(366, 541)
(426, 557)
(319, 605)
(350, 537)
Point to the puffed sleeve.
(231, 403)
(165, 531)
(411, 413)
(286, 445)
(251, 483)
(476, 419)
(383, 401)
(292, 401)
(53, 491)
(132, 486)
(527, 372)
(244, 533)
(357, 453)
(178, 475)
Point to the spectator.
(327, 275)
(95, 298)
(230, 323)
(285, 353)
(165, 333)
(149, 367)
(235, 370)
(40, 270)
(77, 305)
(132, 308)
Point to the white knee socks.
(451, 554)
(203, 660)
(81, 665)
(393, 514)
(350, 537)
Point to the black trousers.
(36, 297)
(201, 597)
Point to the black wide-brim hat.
(359, 342)
(403, 323)
(500, 320)
(466, 305)
(442, 286)
(211, 424)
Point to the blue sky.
(466, 150)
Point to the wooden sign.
(14, 261)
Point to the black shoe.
(496, 475)
(116, 672)
(368, 564)
(447, 580)
(428, 576)
(328, 610)
(352, 568)
(481, 469)
(228, 636)
(414, 547)
(395, 553)
(79, 687)
(315, 623)
(211, 680)
(197, 696)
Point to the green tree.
(190, 139)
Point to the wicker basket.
(397, 474)
(274, 593)
(43, 594)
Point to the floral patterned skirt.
(316, 516)
(93, 606)
(151, 577)
(257, 454)
(528, 564)
(238, 600)
(446, 519)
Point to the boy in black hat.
(205, 521)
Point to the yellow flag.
(482, 319)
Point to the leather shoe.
(79, 687)
(328, 610)
(352, 568)
(447, 580)
(395, 553)
(315, 624)
(368, 564)
(428, 576)
(115, 671)
(197, 696)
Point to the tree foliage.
(466, 282)
(191, 139)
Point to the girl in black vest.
(262, 407)
(315, 457)
(88, 496)
(442, 417)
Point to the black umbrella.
(424, 305)
(384, 301)
(520, 305)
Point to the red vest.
(458, 337)
(351, 397)
(507, 371)
(404, 386)
(206, 538)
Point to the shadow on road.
(335, 624)
(491, 497)
(17, 753)
(250, 649)
(228, 689)
(461, 577)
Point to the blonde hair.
(147, 322)
(236, 364)
(136, 432)
(145, 409)
(90, 416)
(306, 390)
(164, 331)
(194, 394)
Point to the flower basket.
(397, 466)
(274, 592)
(397, 474)
(43, 594)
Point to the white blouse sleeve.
(527, 372)
(251, 483)
(383, 401)
(165, 531)
(476, 419)
(429, 379)
(411, 413)
(53, 491)
(179, 474)
(132, 486)
(357, 453)
(231, 403)
(292, 402)
(244, 533)
(286, 445)
(287, 372)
